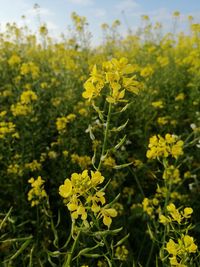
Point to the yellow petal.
(66, 189)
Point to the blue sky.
(56, 13)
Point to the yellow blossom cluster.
(147, 71)
(79, 21)
(153, 206)
(114, 73)
(14, 168)
(109, 162)
(82, 196)
(121, 253)
(158, 104)
(37, 193)
(27, 97)
(33, 166)
(8, 128)
(179, 251)
(180, 97)
(24, 107)
(175, 215)
(61, 123)
(150, 206)
(14, 60)
(164, 147)
(172, 175)
(30, 68)
(82, 161)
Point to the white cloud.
(127, 5)
(98, 12)
(51, 26)
(41, 11)
(81, 2)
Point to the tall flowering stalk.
(83, 193)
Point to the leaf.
(108, 260)
(122, 240)
(125, 107)
(89, 130)
(19, 251)
(120, 143)
(85, 251)
(120, 128)
(100, 113)
(92, 255)
(118, 167)
(112, 202)
(93, 160)
(107, 232)
(6, 217)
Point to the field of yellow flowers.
(99, 148)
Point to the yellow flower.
(187, 212)
(172, 247)
(107, 215)
(109, 162)
(163, 219)
(163, 147)
(14, 60)
(66, 189)
(162, 120)
(121, 253)
(96, 178)
(171, 208)
(177, 149)
(20, 109)
(180, 97)
(172, 175)
(37, 192)
(147, 71)
(158, 104)
(190, 246)
(28, 96)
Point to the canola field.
(100, 147)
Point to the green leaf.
(120, 128)
(6, 217)
(118, 167)
(19, 251)
(121, 241)
(92, 255)
(85, 251)
(100, 113)
(120, 143)
(107, 232)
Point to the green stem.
(150, 254)
(169, 188)
(105, 136)
(70, 254)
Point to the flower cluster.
(114, 73)
(164, 147)
(30, 68)
(175, 215)
(61, 123)
(121, 253)
(24, 107)
(37, 193)
(172, 175)
(180, 251)
(7, 128)
(82, 161)
(83, 197)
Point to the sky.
(56, 13)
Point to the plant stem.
(70, 254)
(105, 136)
